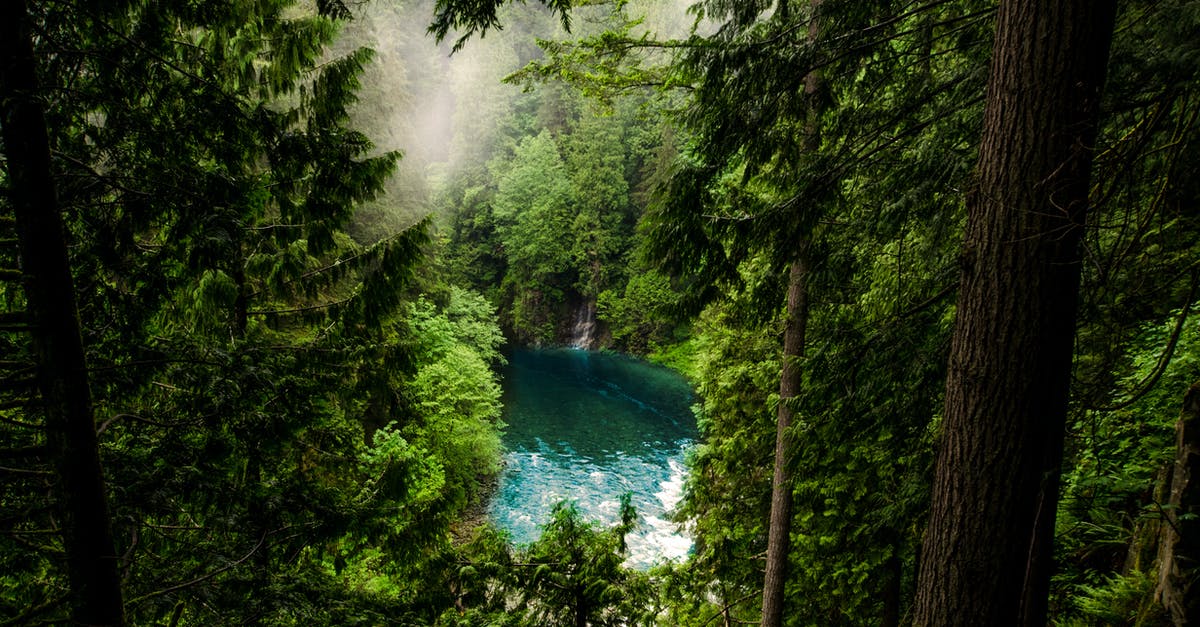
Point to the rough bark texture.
(987, 549)
(95, 592)
(779, 529)
(1179, 550)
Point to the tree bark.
(987, 549)
(1179, 549)
(779, 528)
(790, 378)
(92, 569)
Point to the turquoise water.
(589, 427)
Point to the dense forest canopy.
(930, 267)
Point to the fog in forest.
(757, 313)
(442, 109)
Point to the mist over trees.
(930, 267)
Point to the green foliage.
(641, 318)
(466, 320)
(1136, 349)
(282, 446)
(457, 394)
(575, 575)
(626, 56)
(596, 159)
(549, 225)
(1111, 493)
(571, 575)
(1118, 600)
(533, 209)
(475, 16)
(728, 488)
(751, 184)
(290, 428)
(773, 163)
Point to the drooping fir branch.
(468, 17)
(381, 273)
(1147, 385)
(613, 62)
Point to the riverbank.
(475, 515)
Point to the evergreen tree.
(987, 553)
(780, 172)
(533, 208)
(571, 575)
(67, 437)
(249, 360)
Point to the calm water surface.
(589, 427)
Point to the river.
(591, 426)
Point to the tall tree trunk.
(778, 540)
(790, 378)
(95, 592)
(1179, 549)
(987, 549)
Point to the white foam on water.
(657, 538)
(671, 491)
(648, 464)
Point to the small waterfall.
(583, 332)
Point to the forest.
(928, 266)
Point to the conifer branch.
(171, 64)
(24, 618)
(204, 577)
(725, 608)
(1164, 359)
(26, 471)
(317, 307)
(20, 423)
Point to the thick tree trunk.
(987, 549)
(779, 529)
(95, 592)
(1179, 549)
